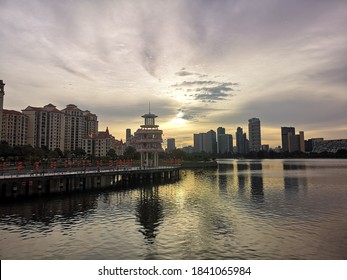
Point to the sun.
(178, 120)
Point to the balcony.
(149, 140)
(149, 150)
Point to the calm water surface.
(270, 209)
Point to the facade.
(225, 143)
(91, 121)
(284, 135)
(254, 135)
(98, 144)
(292, 142)
(46, 127)
(205, 142)
(149, 141)
(331, 146)
(311, 143)
(127, 136)
(119, 147)
(198, 142)
(171, 144)
(220, 130)
(2, 93)
(242, 143)
(14, 128)
(210, 142)
(75, 127)
(296, 142)
(245, 143)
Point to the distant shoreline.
(198, 164)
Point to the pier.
(22, 185)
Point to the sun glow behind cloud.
(178, 120)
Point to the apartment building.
(14, 128)
(46, 127)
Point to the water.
(244, 209)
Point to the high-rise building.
(240, 143)
(198, 142)
(75, 127)
(284, 135)
(2, 93)
(210, 142)
(220, 130)
(171, 144)
(127, 135)
(92, 125)
(254, 135)
(296, 142)
(225, 143)
(205, 142)
(14, 128)
(245, 143)
(78, 124)
(46, 127)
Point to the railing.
(149, 140)
(84, 170)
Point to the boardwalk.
(15, 185)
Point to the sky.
(200, 63)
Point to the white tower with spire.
(148, 140)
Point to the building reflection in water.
(43, 214)
(257, 187)
(224, 173)
(149, 212)
(293, 178)
(241, 176)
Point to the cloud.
(183, 73)
(213, 94)
(212, 91)
(192, 114)
(60, 63)
(199, 83)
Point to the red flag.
(19, 166)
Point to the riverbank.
(198, 164)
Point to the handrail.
(89, 171)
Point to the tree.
(112, 154)
(79, 153)
(130, 153)
(5, 150)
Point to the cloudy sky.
(200, 63)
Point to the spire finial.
(149, 106)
